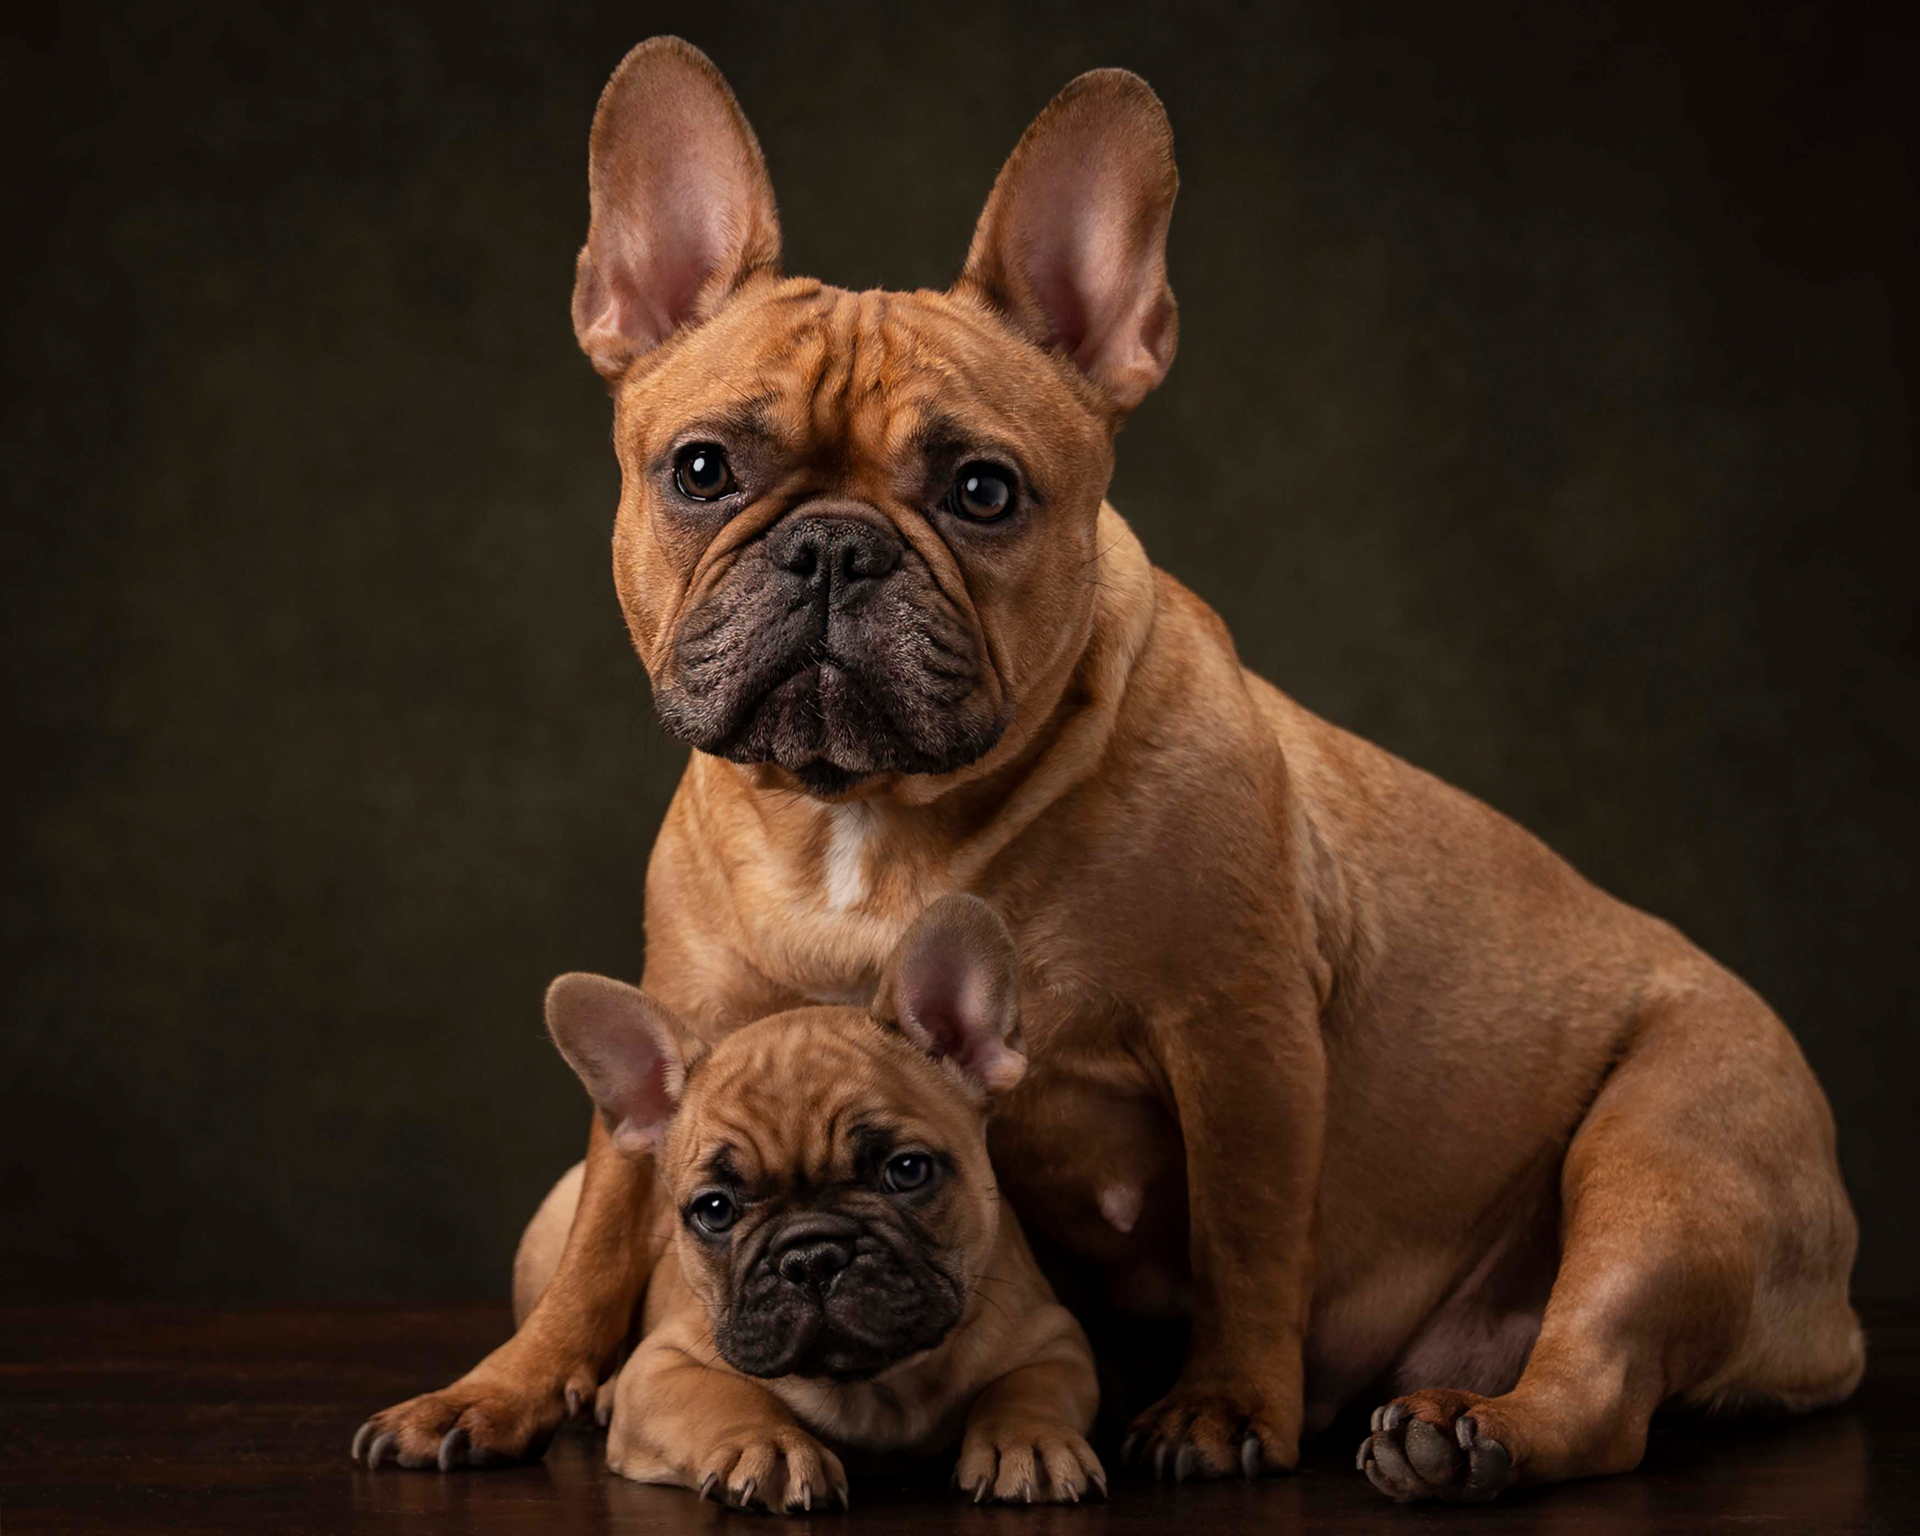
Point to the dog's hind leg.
(1706, 1243)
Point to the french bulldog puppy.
(1327, 1058)
(840, 1268)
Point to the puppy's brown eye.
(908, 1171)
(713, 1212)
(981, 492)
(702, 472)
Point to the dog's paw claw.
(496, 1425)
(453, 1448)
(1206, 1435)
(1431, 1447)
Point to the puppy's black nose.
(814, 1262)
(835, 554)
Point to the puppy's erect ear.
(631, 1053)
(953, 988)
(1072, 246)
(682, 209)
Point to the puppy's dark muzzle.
(835, 554)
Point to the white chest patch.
(1120, 1204)
(850, 830)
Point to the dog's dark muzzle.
(830, 649)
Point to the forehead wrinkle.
(876, 313)
(735, 1143)
(719, 1162)
(951, 337)
(776, 334)
(978, 328)
(825, 390)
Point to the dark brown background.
(1541, 413)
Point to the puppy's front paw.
(778, 1469)
(1213, 1431)
(476, 1422)
(1027, 1462)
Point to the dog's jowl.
(1325, 1056)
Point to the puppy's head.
(856, 530)
(829, 1167)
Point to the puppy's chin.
(825, 1353)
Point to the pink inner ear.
(1074, 239)
(681, 206)
(949, 997)
(650, 1100)
(945, 1036)
(614, 1039)
(1092, 283)
(1059, 283)
(660, 253)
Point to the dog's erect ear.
(1072, 246)
(629, 1050)
(682, 209)
(953, 988)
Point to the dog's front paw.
(1439, 1444)
(1027, 1462)
(1224, 1430)
(778, 1469)
(477, 1422)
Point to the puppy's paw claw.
(783, 1469)
(1027, 1463)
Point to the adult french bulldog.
(842, 1267)
(1326, 1055)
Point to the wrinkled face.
(834, 1194)
(856, 531)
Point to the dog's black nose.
(835, 553)
(814, 1262)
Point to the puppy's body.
(829, 1304)
(1327, 1056)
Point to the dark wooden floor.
(157, 1419)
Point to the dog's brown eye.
(981, 492)
(910, 1170)
(702, 472)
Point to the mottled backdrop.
(1541, 412)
